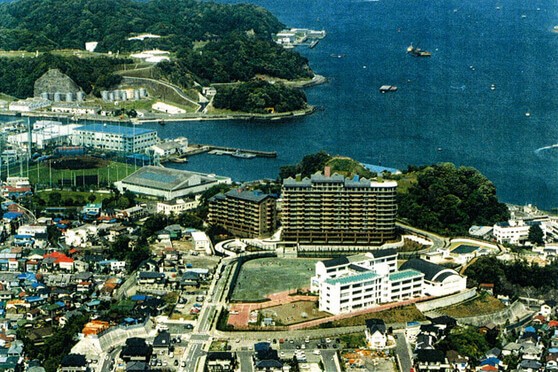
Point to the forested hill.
(54, 24)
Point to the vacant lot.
(264, 276)
(294, 312)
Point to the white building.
(18, 181)
(116, 138)
(45, 133)
(202, 242)
(91, 46)
(438, 280)
(347, 284)
(177, 206)
(376, 335)
(512, 232)
(29, 104)
(169, 109)
(176, 146)
(75, 108)
(169, 184)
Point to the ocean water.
(444, 110)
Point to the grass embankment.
(480, 305)
(348, 167)
(395, 315)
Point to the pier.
(222, 150)
(195, 149)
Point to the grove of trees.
(449, 200)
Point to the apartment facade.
(332, 209)
(247, 214)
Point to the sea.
(486, 98)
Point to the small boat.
(417, 52)
(493, 87)
(161, 122)
(313, 43)
(388, 88)
(242, 155)
(179, 160)
(337, 55)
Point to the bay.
(445, 109)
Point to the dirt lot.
(483, 304)
(293, 313)
(261, 277)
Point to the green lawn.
(264, 276)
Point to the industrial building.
(332, 209)
(247, 214)
(115, 138)
(75, 108)
(29, 104)
(45, 133)
(169, 184)
(362, 281)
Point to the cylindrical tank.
(143, 92)
(105, 95)
(123, 95)
(44, 95)
(80, 96)
(136, 94)
(57, 96)
(111, 96)
(69, 97)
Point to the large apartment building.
(247, 214)
(332, 209)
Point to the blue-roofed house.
(114, 137)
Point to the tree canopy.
(18, 75)
(309, 165)
(258, 96)
(448, 200)
(54, 24)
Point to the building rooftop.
(404, 274)
(355, 182)
(253, 196)
(429, 269)
(168, 179)
(352, 278)
(114, 129)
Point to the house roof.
(162, 339)
(168, 179)
(376, 325)
(432, 272)
(430, 356)
(337, 261)
(73, 360)
(124, 131)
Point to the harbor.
(196, 149)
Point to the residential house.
(376, 336)
(74, 363)
(220, 361)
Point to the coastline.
(195, 116)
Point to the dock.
(195, 149)
(222, 150)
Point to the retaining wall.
(447, 300)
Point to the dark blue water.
(444, 110)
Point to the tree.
(91, 198)
(54, 198)
(536, 235)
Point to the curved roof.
(432, 272)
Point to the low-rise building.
(438, 280)
(75, 108)
(177, 206)
(29, 104)
(376, 334)
(169, 184)
(115, 138)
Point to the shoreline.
(195, 116)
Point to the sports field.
(261, 277)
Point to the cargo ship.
(417, 52)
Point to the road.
(330, 360)
(403, 352)
(246, 364)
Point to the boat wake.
(555, 146)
